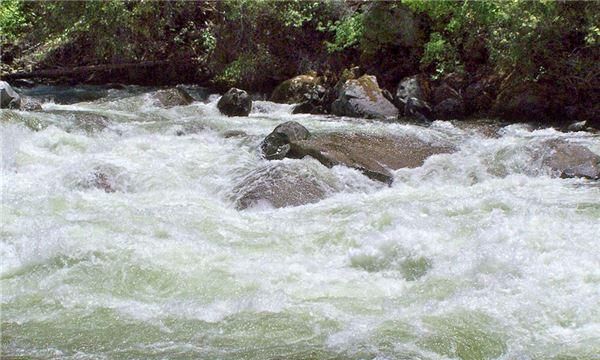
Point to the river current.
(478, 254)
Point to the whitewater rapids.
(479, 254)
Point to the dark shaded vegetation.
(544, 54)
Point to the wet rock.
(101, 180)
(412, 87)
(298, 89)
(234, 133)
(373, 155)
(90, 122)
(9, 99)
(277, 144)
(418, 109)
(571, 160)
(235, 102)
(280, 186)
(451, 108)
(411, 97)
(190, 128)
(30, 104)
(362, 97)
(304, 108)
(173, 97)
(577, 126)
(105, 177)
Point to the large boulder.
(280, 186)
(362, 97)
(9, 99)
(298, 89)
(173, 97)
(235, 102)
(373, 155)
(569, 160)
(277, 144)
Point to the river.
(478, 254)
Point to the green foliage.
(263, 38)
(13, 20)
(534, 40)
(439, 52)
(347, 32)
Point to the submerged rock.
(173, 97)
(279, 186)
(87, 121)
(277, 144)
(30, 104)
(190, 128)
(571, 160)
(234, 133)
(362, 97)
(9, 99)
(235, 102)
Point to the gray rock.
(411, 98)
(89, 122)
(277, 144)
(417, 109)
(173, 97)
(280, 186)
(410, 87)
(9, 99)
(235, 102)
(451, 108)
(362, 97)
(571, 160)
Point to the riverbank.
(518, 61)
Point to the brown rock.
(296, 89)
(373, 155)
(363, 97)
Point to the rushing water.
(479, 254)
